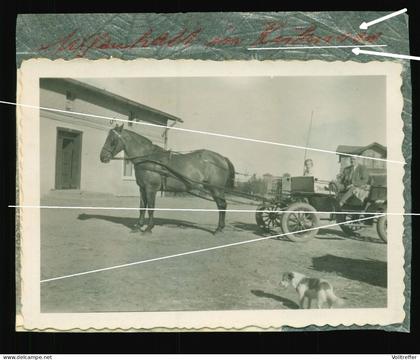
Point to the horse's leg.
(219, 198)
(143, 205)
(151, 197)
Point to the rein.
(188, 182)
(130, 158)
(191, 184)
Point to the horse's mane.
(140, 138)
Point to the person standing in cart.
(308, 167)
(354, 180)
(308, 170)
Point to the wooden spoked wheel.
(298, 220)
(268, 216)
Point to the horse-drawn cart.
(295, 209)
(301, 202)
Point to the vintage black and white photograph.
(172, 191)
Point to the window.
(128, 168)
(70, 97)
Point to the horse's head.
(113, 144)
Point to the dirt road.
(239, 277)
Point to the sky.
(347, 110)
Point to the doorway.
(68, 159)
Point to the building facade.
(70, 143)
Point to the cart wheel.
(350, 229)
(302, 218)
(268, 217)
(381, 226)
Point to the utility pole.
(307, 139)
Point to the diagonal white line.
(365, 25)
(199, 251)
(202, 132)
(205, 210)
(311, 47)
(357, 51)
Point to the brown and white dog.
(311, 288)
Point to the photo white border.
(28, 119)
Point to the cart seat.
(378, 190)
(377, 193)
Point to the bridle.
(127, 157)
(107, 147)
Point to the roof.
(358, 150)
(109, 99)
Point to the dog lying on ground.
(312, 289)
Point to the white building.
(71, 143)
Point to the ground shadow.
(286, 302)
(331, 234)
(338, 234)
(370, 271)
(131, 222)
(256, 230)
(323, 234)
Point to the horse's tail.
(231, 179)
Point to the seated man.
(355, 180)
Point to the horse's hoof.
(147, 232)
(218, 231)
(136, 229)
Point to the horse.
(158, 169)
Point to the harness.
(143, 159)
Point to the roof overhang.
(108, 99)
